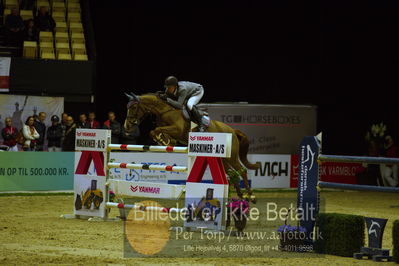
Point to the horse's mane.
(153, 99)
(152, 94)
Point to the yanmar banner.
(209, 144)
(91, 139)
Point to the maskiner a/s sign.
(209, 144)
(91, 139)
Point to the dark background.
(339, 55)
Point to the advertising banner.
(91, 139)
(273, 173)
(337, 172)
(145, 189)
(308, 195)
(271, 129)
(209, 144)
(20, 107)
(5, 63)
(375, 231)
(205, 203)
(89, 195)
(36, 171)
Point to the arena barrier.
(309, 184)
(96, 147)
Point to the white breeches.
(194, 99)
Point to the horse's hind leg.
(236, 183)
(236, 165)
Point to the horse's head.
(140, 107)
(134, 114)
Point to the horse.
(172, 129)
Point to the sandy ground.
(32, 232)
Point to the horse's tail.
(243, 150)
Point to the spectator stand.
(68, 41)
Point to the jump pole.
(357, 159)
(124, 147)
(357, 187)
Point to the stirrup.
(202, 128)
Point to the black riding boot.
(197, 118)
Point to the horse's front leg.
(164, 135)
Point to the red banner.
(4, 73)
(330, 172)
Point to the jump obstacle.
(356, 159)
(170, 168)
(309, 184)
(97, 148)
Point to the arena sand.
(32, 233)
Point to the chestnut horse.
(172, 129)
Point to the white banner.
(20, 107)
(273, 173)
(271, 128)
(205, 204)
(89, 195)
(5, 63)
(124, 188)
(91, 139)
(209, 144)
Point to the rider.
(178, 93)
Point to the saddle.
(189, 116)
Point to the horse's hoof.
(252, 199)
(249, 197)
(160, 140)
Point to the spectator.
(68, 143)
(41, 129)
(14, 26)
(54, 134)
(114, 126)
(44, 21)
(130, 138)
(82, 122)
(31, 33)
(389, 172)
(64, 117)
(9, 134)
(30, 135)
(93, 123)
